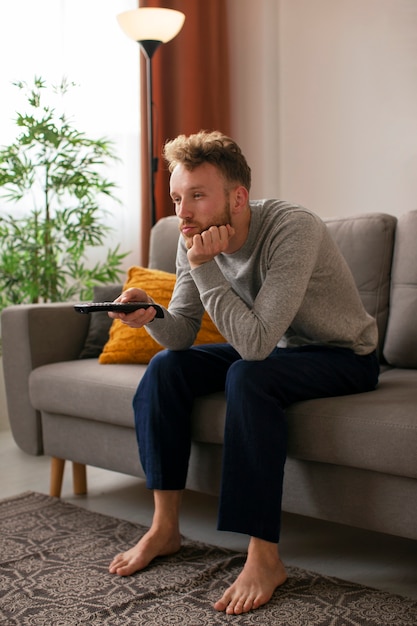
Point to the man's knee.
(253, 379)
(191, 371)
(245, 375)
(167, 361)
(160, 369)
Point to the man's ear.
(240, 199)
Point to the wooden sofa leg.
(79, 479)
(57, 474)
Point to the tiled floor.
(381, 561)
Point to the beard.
(221, 218)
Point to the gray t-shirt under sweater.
(288, 285)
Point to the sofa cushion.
(87, 390)
(373, 431)
(400, 348)
(135, 345)
(105, 394)
(367, 242)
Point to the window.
(82, 40)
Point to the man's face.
(200, 199)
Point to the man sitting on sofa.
(275, 284)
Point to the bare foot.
(154, 543)
(262, 574)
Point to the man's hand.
(137, 318)
(208, 244)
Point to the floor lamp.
(151, 27)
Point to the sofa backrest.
(163, 244)
(367, 243)
(400, 348)
(365, 240)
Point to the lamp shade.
(151, 24)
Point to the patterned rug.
(53, 572)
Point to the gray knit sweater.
(288, 285)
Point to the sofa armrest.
(34, 335)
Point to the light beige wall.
(325, 101)
(254, 87)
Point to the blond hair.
(209, 147)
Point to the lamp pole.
(149, 46)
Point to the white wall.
(340, 94)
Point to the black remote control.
(117, 307)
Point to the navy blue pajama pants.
(255, 439)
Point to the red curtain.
(190, 92)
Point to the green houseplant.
(53, 176)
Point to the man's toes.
(235, 609)
(118, 565)
(224, 602)
(230, 605)
(220, 605)
(240, 606)
(249, 604)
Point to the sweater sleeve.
(182, 320)
(288, 257)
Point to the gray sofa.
(351, 459)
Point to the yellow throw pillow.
(135, 345)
